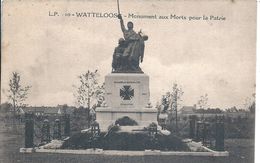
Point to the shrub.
(113, 128)
(126, 121)
(126, 141)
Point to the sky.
(216, 57)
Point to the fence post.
(95, 132)
(206, 134)
(29, 130)
(67, 125)
(220, 136)
(57, 129)
(46, 131)
(198, 135)
(153, 131)
(192, 127)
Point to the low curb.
(126, 153)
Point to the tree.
(5, 107)
(171, 102)
(165, 102)
(203, 103)
(89, 91)
(100, 94)
(250, 103)
(252, 108)
(232, 109)
(17, 94)
(175, 97)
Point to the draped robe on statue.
(135, 48)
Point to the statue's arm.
(121, 23)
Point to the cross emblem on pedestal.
(126, 93)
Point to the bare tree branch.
(89, 91)
(16, 93)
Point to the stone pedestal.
(127, 94)
(127, 90)
(107, 115)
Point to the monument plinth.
(126, 94)
(127, 90)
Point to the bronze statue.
(127, 56)
(117, 63)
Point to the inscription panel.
(127, 90)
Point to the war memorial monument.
(127, 91)
(125, 122)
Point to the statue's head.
(130, 25)
(145, 37)
(121, 41)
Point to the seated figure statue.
(117, 64)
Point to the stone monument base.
(106, 116)
(127, 90)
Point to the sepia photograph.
(123, 81)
